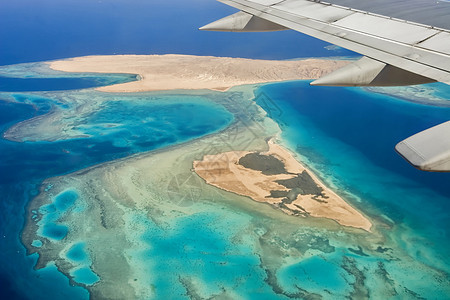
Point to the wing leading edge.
(397, 51)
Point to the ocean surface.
(346, 134)
(11, 84)
(69, 28)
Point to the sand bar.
(277, 178)
(171, 71)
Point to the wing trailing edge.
(370, 72)
(428, 150)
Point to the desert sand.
(277, 178)
(170, 72)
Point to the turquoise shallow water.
(316, 274)
(50, 226)
(143, 124)
(77, 253)
(132, 127)
(85, 276)
(201, 247)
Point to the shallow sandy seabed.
(121, 201)
(125, 205)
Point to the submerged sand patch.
(172, 71)
(277, 178)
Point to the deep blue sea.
(11, 84)
(345, 133)
(49, 29)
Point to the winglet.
(370, 72)
(428, 150)
(242, 22)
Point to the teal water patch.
(68, 201)
(82, 272)
(54, 231)
(143, 124)
(37, 243)
(77, 253)
(49, 225)
(117, 125)
(60, 205)
(65, 200)
(314, 274)
(84, 276)
(199, 254)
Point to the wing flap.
(428, 150)
(242, 22)
(328, 14)
(431, 12)
(440, 43)
(370, 72)
(385, 28)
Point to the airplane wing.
(405, 42)
(428, 150)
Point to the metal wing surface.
(409, 35)
(404, 42)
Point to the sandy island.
(277, 178)
(171, 71)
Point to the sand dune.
(169, 72)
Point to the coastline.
(292, 188)
(187, 72)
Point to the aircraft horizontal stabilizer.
(242, 22)
(428, 150)
(370, 72)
